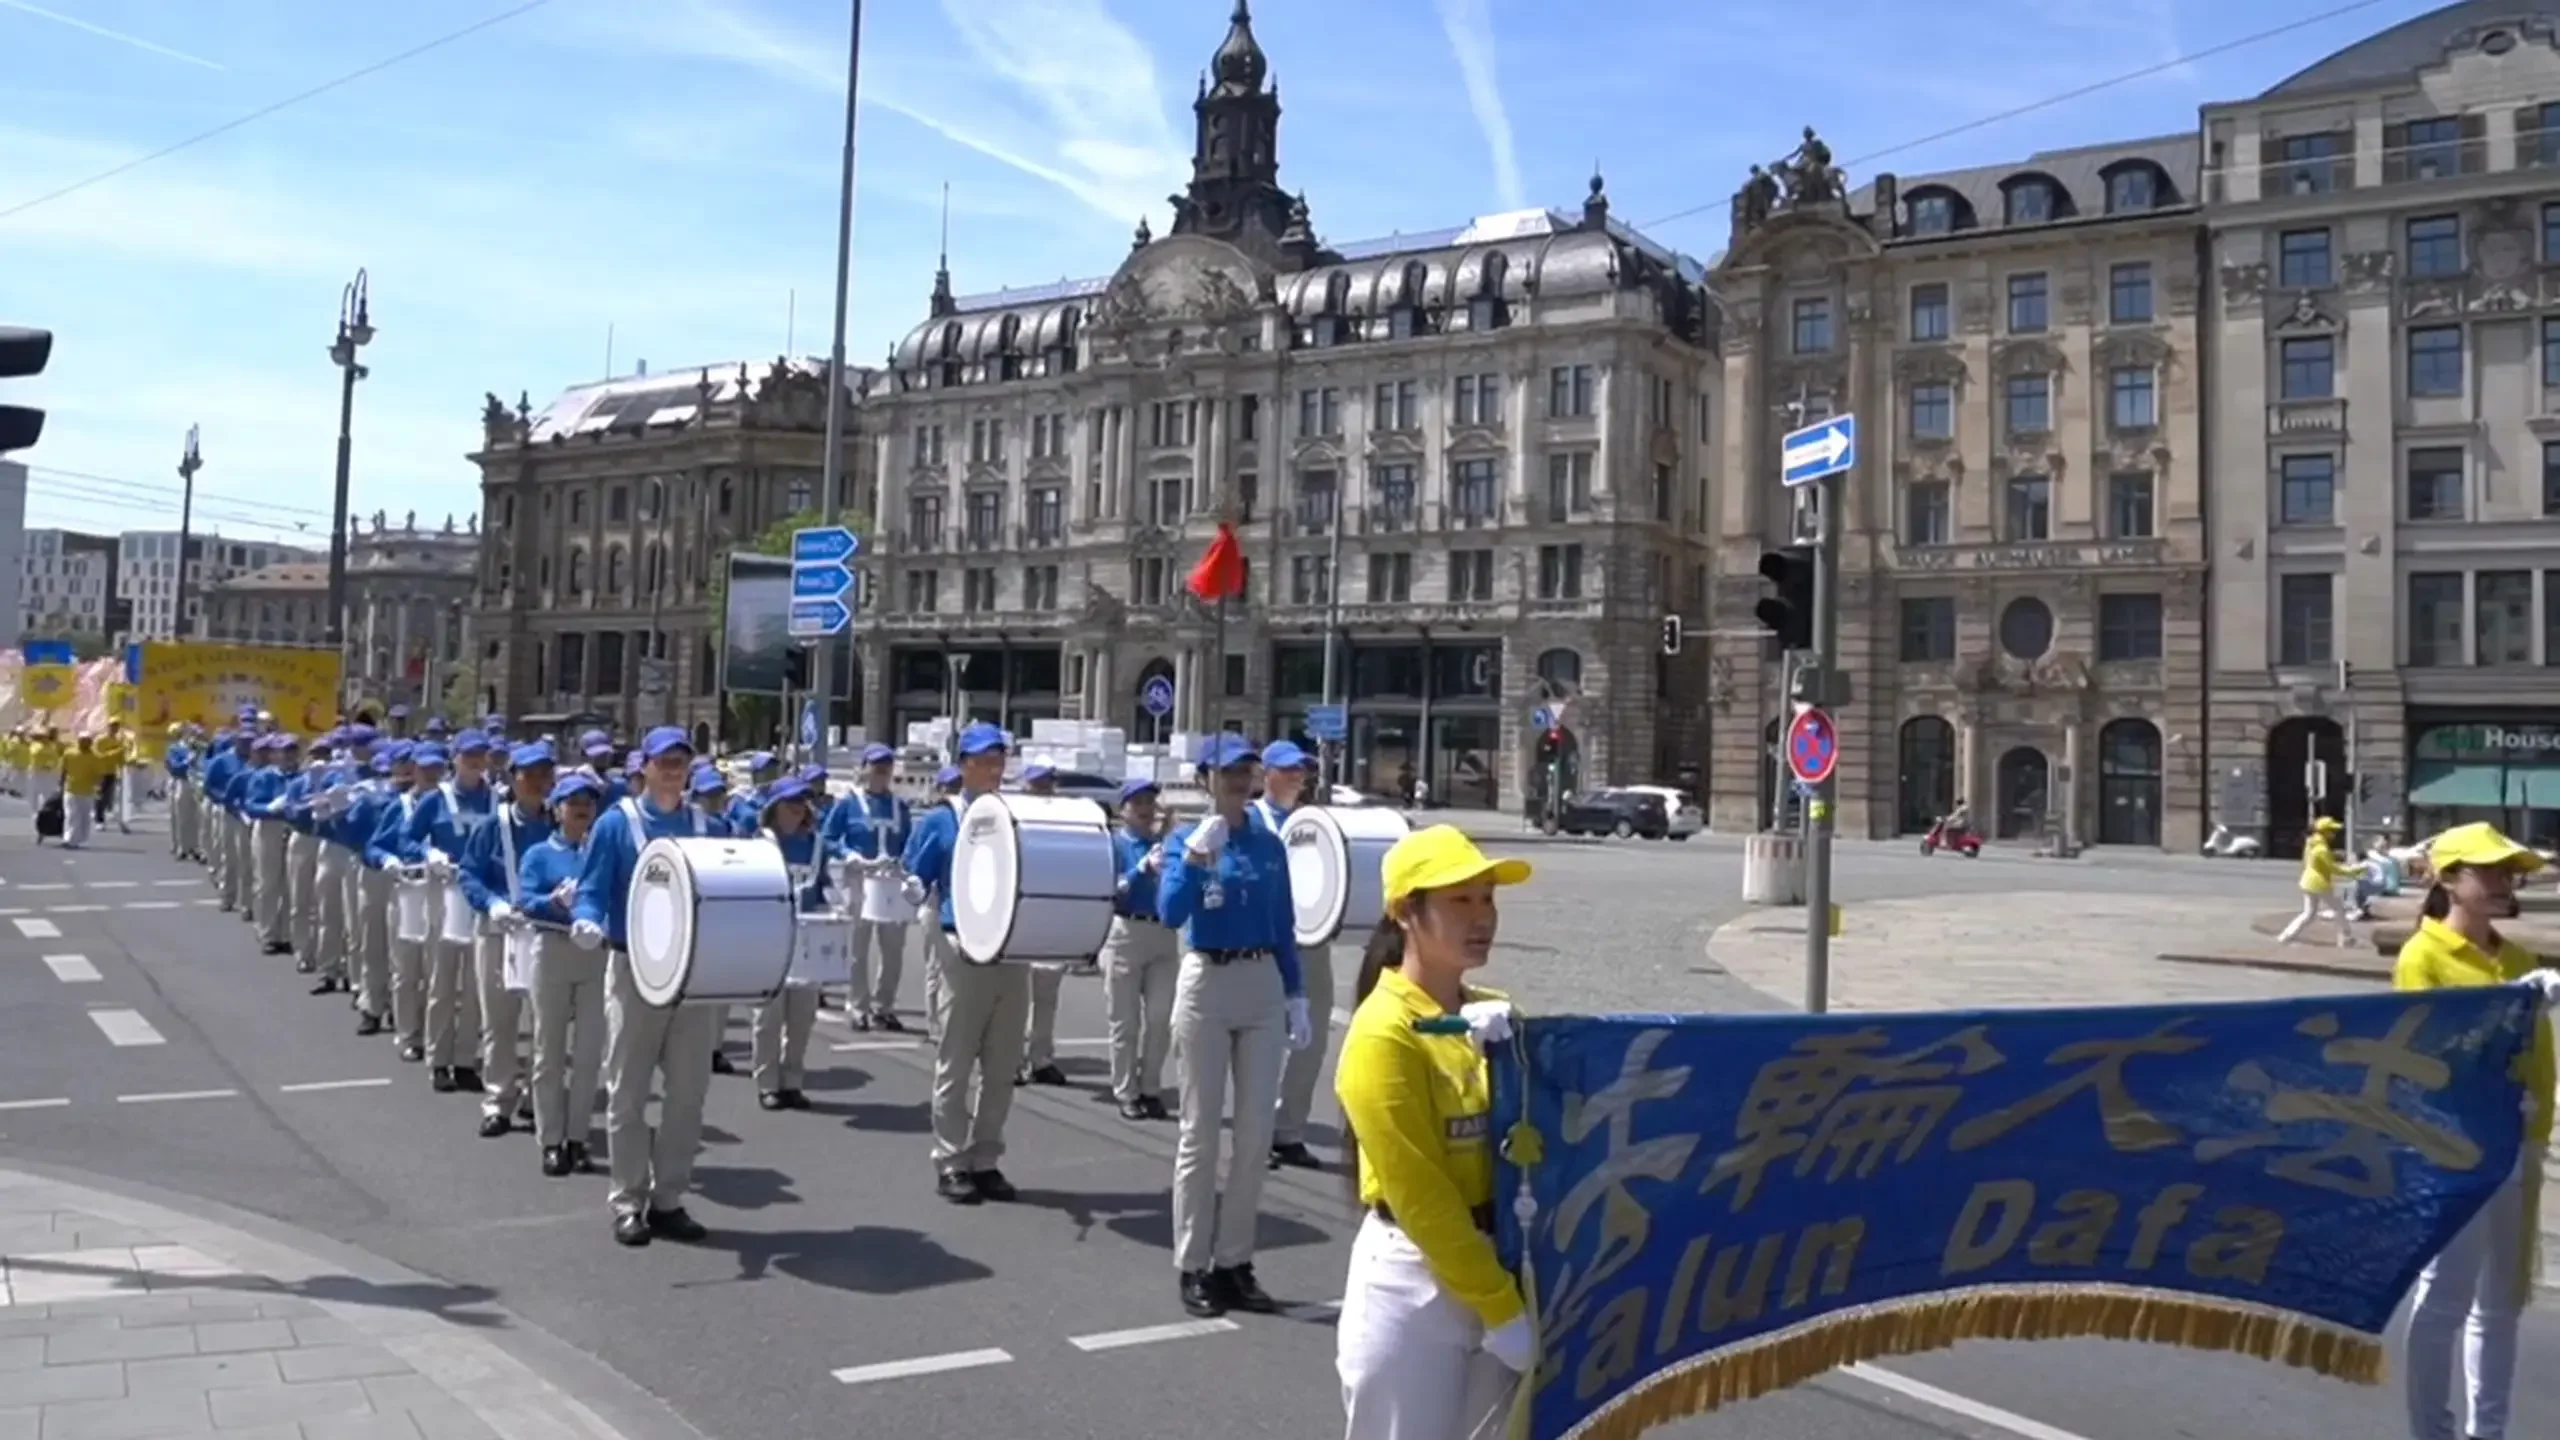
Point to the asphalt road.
(836, 1288)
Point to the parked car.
(1100, 789)
(1687, 818)
(1619, 812)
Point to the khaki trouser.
(977, 1049)
(182, 817)
(332, 877)
(1140, 963)
(230, 876)
(1233, 1028)
(302, 895)
(240, 838)
(453, 999)
(408, 964)
(879, 962)
(372, 916)
(270, 839)
(569, 1042)
(938, 947)
(782, 1026)
(502, 1013)
(1304, 1069)
(652, 1170)
(1040, 1029)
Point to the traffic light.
(1670, 634)
(1788, 615)
(23, 353)
(795, 668)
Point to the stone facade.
(409, 599)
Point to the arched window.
(615, 562)
(2023, 778)
(1560, 671)
(2129, 783)
(577, 573)
(1417, 282)
(1926, 756)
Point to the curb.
(2336, 968)
(547, 1388)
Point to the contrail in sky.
(103, 33)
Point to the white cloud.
(1469, 24)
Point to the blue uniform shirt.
(1136, 898)
(259, 789)
(801, 852)
(218, 770)
(390, 843)
(543, 869)
(604, 880)
(1257, 914)
(866, 826)
(928, 852)
(179, 760)
(485, 876)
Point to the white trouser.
(128, 796)
(1040, 1028)
(502, 1025)
(1140, 963)
(782, 1025)
(879, 960)
(652, 1168)
(1410, 1357)
(1304, 1069)
(2313, 906)
(937, 948)
(2471, 1297)
(240, 865)
(1231, 1023)
(77, 818)
(977, 1048)
(569, 1040)
(408, 967)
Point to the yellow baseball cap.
(1438, 856)
(2327, 825)
(2483, 844)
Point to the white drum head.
(1333, 867)
(987, 863)
(659, 922)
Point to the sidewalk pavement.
(1982, 952)
(122, 1319)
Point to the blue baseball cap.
(984, 739)
(436, 725)
(1038, 772)
(400, 751)
(429, 755)
(666, 739)
(762, 760)
(399, 712)
(783, 790)
(877, 754)
(1132, 789)
(707, 780)
(383, 763)
(588, 738)
(1285, 755)
(531, 754)
(471, 742)
(1226, 752)
(813, 776)
(598, 750)
(362, 734)
(947, 776)
(574, 783)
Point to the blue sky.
(664, 171)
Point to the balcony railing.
(2321, 415)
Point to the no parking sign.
(1813, 745)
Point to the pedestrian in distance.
(2322, 870)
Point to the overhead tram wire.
(126, 511)
(152, 489)
(2063, 98)
(490, 22)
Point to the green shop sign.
(2495, 744)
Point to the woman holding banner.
(2472, 1295)
(1433, 1329)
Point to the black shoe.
(1296, 1156)
(1243, 1292)
(368, 1024)
(413, 1053)
(957, 1187)
(276, 947)
(524, 1112)
(677, 1225)
(859, 1019)
(1202, 1295)
(721, 1064)
(993, 1186)
(306, 966)
(631, 1230)
(1155, 1107)
(792, 1099)
(494, 1123)
(1048, 1074)
(328, 985)
(770, 1100)
(1133, 1109)
(884, 1020)
(440, 1080)
(467, 1078)
(579, 1159)
(555, 1160)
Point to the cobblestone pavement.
(123, 1320)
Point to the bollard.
(1773, 869)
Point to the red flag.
(1220, 573)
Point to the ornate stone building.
(409, 598)
(1478, 458)
(286, 603)
(607, 516)
(2386, 432)
(2023, 534)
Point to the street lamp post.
(188, 464)
(355, 331)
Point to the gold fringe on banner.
(2013, 1312)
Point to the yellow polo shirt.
(2438, 958)
(1421, 1107)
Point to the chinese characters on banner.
(1729, 1205)
(209, 684)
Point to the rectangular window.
(1569, 391)
(1559, 572)
(2435, 618)
(1165, 501)
(977, 591)
(1933, 411)
(1048, 513)
(2131, 514)
(2435, 246)
(2550, 353)
(1928, 312)
(2308, 491)
(2308, 368)
(2131, 404)
(2551, 234)
(2302, 260)
(2027, 405)
(1310, 580)
(2316, 164)
(2435, 484)
(1927, 513)
(1319, 412)
(1314, 505)
(1478, 400)
(2431, 149)
(1812, 333)
(2131, 189)
(1473, 493)
(924, 522)
(2129, 286)
(2129, 627)
(1040, 587)
(1470, 576)
(1928, 629)
(1397, 405)
(2502, 617)
(986, 518)
(2551, 479)
(924, 592)
(1391, 497)
(2027, 513)
(2027, 311)
(1391, 578)
(2304, 619)
(2435, 361)
(1568, 485)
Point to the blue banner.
(1725, 1206)
(49, 652)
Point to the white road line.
(38, 929)
(153, 904)
(208, 900)
(843, 1045)
(310, 1087)
(72, 969)
(75, 909)
(63, 1104)
(923, 1365)
(17, 910)
(113, 884)
(49, 885)
(125, 1027)
(1150, 1334)
(1954, 1404)
(166, 1095)
(167, 883)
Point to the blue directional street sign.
(1827, 448)
(819, 617)
(1157, 696)
(820, 582)
(809, 723)
(821, 579)
(1328, 723)
(824, 545)
(1543, 718)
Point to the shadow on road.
(867, 1259)
(455, 1303)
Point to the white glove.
(912, 889)
(1302, 1030)
(586, 935)
(2547, 981)
(1513, 1343)
(1488, 1021)
(501, 914)
(1208, 839)
(565, 894)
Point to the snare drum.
(1334, 868)
(1032, 878)
(411, 906)
(823, 952)
(711, 922)
(884, 898)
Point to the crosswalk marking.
(72, 969)
(125, 1027)
(37, 929)
(164, 1096)
(1149, 1334)
(923, 1365)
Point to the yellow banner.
(49, 687)
(210, 684)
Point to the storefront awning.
(2441, 784)
(2540, 785)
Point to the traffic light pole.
(1818, 812)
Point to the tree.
(460, 703)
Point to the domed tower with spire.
(1235, 192)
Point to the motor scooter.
(1960, 839)
(2222, 844)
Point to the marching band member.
(763, 768)
(1287, 773)
(650, 1173)
(979, 1019)
(333, 879)
(302, 856)
(450, 810)
(1141, 960)
(869, 828)
(572, 1036)
(179, 762)
(230, 756)
(262, 800)
(492, 871)
(85, 769)
(369, 905)
(2471, 1297)
(1432, 1326)
(946, 790)
(1238, 1004)
(783, 1023)
(388, 855)
(1040, 1032)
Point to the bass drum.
(711, 922)
(1335, 879)
(1033, 877)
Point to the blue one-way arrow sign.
(824, 545)
(820, 582)
(813, 618)
(1828, 448)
